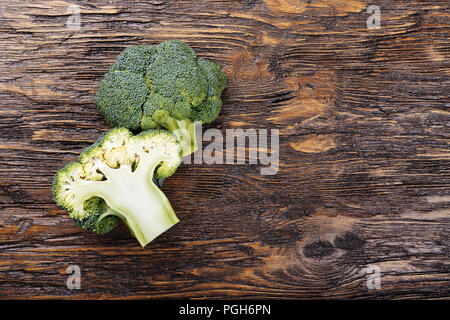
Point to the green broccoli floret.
(113, 180)
(120, 99)
(96, 207)
(164, 86)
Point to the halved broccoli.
(164, 86)
(114, 179)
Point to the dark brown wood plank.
(364, 151)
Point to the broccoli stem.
(184, 130)
(145, 210)
(134, 198)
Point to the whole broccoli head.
(114, 179)
(164, 86)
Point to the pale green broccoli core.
(184, 130)
(133, 197)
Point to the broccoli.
(113, 180)
(165, 86)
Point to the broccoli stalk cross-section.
(166, 86)
(114, 179)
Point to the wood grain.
(364, 151)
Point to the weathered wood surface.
(364, 151)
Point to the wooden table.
(363, 187)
